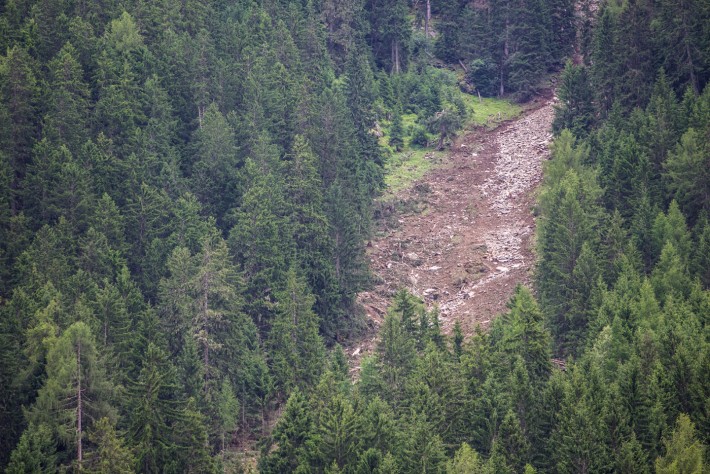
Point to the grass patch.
(490, 111)
(404, 168)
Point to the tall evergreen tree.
(66, 121)
(74, 394)
(19, 98)
(295, 349)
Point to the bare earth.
(468, 238)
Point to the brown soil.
(462, 237)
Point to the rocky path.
(468, 238)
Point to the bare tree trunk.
(205, 315)
(79, 408)
(395, 57)
(502, 89)
(337, 255)
(505, 58)
(200, 114)
(427, 18)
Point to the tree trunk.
(427, 18)
(395, 57)
(79, 408)
(505, 57)
(502, 88)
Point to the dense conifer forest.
(187, 194)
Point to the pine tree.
(120, 77)
(75, 393)
(576, 112)
(577, 441)
(634, 54)
(631, 458)
(343, 22)
(378, 424)
(216, 298)
(360, 96)
(605, 61)
(348, 231)
(522, 48)
(448, 43)
(36, 452)
(571, 217)
(191, 433)
(586, 276)
(260, 240)
(423, 450)
(19, 93)
(110, 455)
(338, 431)
(228, 412)
(295, 349)
(465, 461)
(147, 211)
(525, 335)
(67, 118)
(670, 277)
(294, 436)
(687, 171)
(511, 443)
(153, 411)
(389, 33)
(406, 306)
(396, 131)
(664, 125)
(396, 353)
(458, 340)
(700, 262)
(154, 143)
(684, 454)
(215, 178)
(680, 27)
(309, 228)
(672, 227)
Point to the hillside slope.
(466, 238)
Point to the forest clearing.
(462, 237)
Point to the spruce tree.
(576, 112)
(296, 351)
(36, 452)
(396, 131)
(684, 453)
(294, 436)
(19, 93)
(154, 409)
(525, 335)
(67, 119)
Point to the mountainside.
(194, 193)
